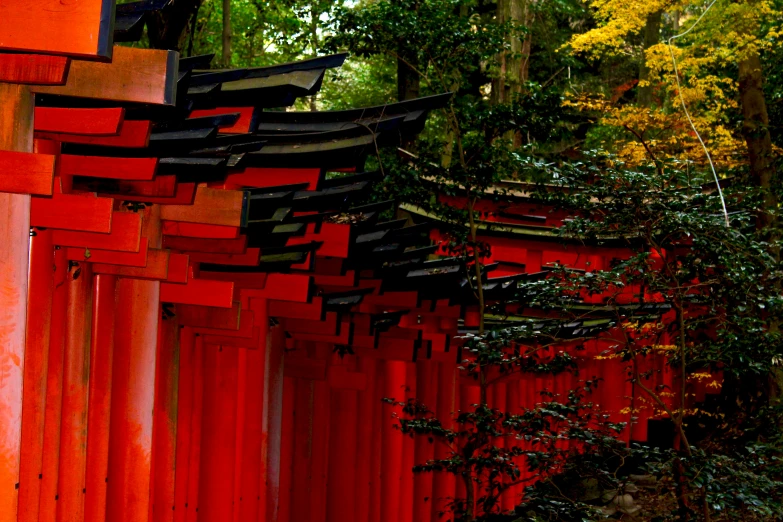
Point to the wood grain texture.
(96, 122)
(33, 68)
(210, 206)
(134, 75)
(156, 269)
(125, 235)
(26, 173)
(110, 257)
(81, 28)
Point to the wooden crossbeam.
(96, 122)
(138, 169)
(184, 194)
(26, 173)
(178, 268)
(236, 246)
(201, 292)
(210, 317)
(210, 206)
(32, 69)
(111, 257)
(176, 228)
(156, 269)
(134, 75)
(241, 126)
(77, 28)
(125, 235)
(86, 213)
(130, 134)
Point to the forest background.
(644, 105)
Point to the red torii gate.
(170, 368)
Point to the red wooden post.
(426, 392)
(16, 134)
(341, 481)
(76, 367)
(443, 483)
(287, 448)
(218, 436)
(194, 467)
(99, 402)
(47, 511)
(367, 405)
(164, 429)
(392, 441)
(303, 425)
(39, 314)
(138, 313)
(184, 415)
(275, 380)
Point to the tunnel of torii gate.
(181, 267)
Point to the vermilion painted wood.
(311, 311)
(197, 230)
(184, 416)
(47, 511)
(241, 126)
(99, 405)
(443, 483)
(199, 292)
(320, 445)
(269, 177)
(85, 213)
(94, 122)
(392, 441)
(252, 454)
(120, 80)
(33, 68)
(368, 402)
(78, 29)
(216, 488)
(163, 186)
(76, 374)
(178, 268)
(239, 437)
(164, 431)
(26, 173)
(139, 169)
(246, 329)
(426, 392)
(194, 465)
(249, 258)
(281, 511)
(210, 206)
(184, 194)
(138, 313)
(131, 133)
(342, 457)
(206, 317)
(125, 235)
(301, 480)
(225, 340)
(274, 382)
(217, 246)
(111, 257)
(156, 269)
(336, 239)
(39, 314)
(16, 113)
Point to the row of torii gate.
(179, 270)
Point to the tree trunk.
(514, 66)
(652, 32)
(166, 28)
(226, 33)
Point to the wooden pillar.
(185, 395)
(39, 314)
(443, 483)
(392, 442)
(138, 313)
(194, 466)
(341, 481)
(275, 379)
(426, 392)
(99, 402)
(16, 134)
(218, 434)
(368, 403)
(164, 429)
(76, 370)
(287, 445)
(50, 465)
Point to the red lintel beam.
(33, 69)
(133, 75)
(272, 177)
(177, 228)
(26, 173)
(210, 206)
(111, 257)
(217, 246)
(139, 169)
(184, 194)
(96, 122)
(131, 134)
(82, 29)
(83, 212)
(199, 292)
(241, 126)
(156, 269)
(125, 235)
(209, 317)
